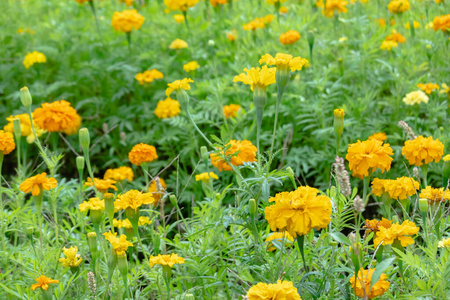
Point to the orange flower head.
(58, 116)
(397, 232)
(127, 20)
(133, 199)
(428, 87)
(434, 195)
(361, 284)
(43, 282)
(374, 225)
(102, 185)
(368, 156)
(237, 151)
(142, 153)
(119, 174)
(231, 111)
(157, 188)
(423, 150)
(6, 142)
(289, 37)
(38, 184)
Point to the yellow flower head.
(149, 76)
(423, 150)
(283, 10)
(215, 2)
(281, 290)
(178, 44)
(34, 58)
(238, 152)
(127, 20)
(133, 199)
(339, 113)
(375, 225)
(92, 204)
(415, 97)
(58, 116)
(72, 259)
(167, 108)
(434, 195)
(399, 6)
(399, 232)
(361, 284)
(388, 45)
(381, 22)
(444, 243)
(257, 77)
(166, 260)
(299, 211)
(25, 127)
(182, 84)
(120, 245)
(278, 236)
(285, 61)
(102, 185)
(258, 23)
(7, 143)
(368, 156)
(43, 282)
(332, 6)
(179, 18)
(127, 224)
(381, 136)
(442, 23)
(191, 66)
(142, 153)
(399, 189)
(38, 183)
(157, 188)
(289, 37)
(428, 87)
(273, 2)
(445, 89)
(119, 174)
(181, 5)
(231, 111)
(205, 176)
(396, 37)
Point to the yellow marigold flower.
(442, 23)
(178, 44)
(278, 236)
(434, 195)
(38, 183)
(179, 18)
(25, 124)
(149, 76)
(445, 89)
(268, 19)
(166, 260)
(428, 87)
(182, 84)
(258, 23)
(127, 20)
(446, 158)
(399, 189)
(167, 108)
(388, 45)
(299, 211)
(399, 6)
(361, 284)
(205, 176)
(381, 136)
(423, 150)
(238, 152)
(257, 77)
(181, 5)
(215, 2)
(444, 243)
(339, 112)
(92, 204)
(415, 97)
(368, 156)
(289, 37)
(281, 290)
(374, 225)
(231, 36)
(399, 232)
(283, 10)
(157, 188)
(58, 116)
(119, 174)
(102, 185)
(381, 22)
(332, 6)
(127, 2)
(43, 282)
(6, 142)
(231, 110)
(191, 66)
(142, 153)
(34, 58)
(127, 224)
(415, 25)
(396, 37)
(284, 61)
(120, 245)
(273, 2)
(72, 259)
(133, 199)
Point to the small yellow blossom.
(178, 44)
(205, 176)
(72, 259)
(191, 66)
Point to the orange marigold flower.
(396, 37)
(43, 282)
(299, 211)
(289, 37)
(119, 174)
(239, 151)
(281, 290)
(182, 84)
(167, 108)
(381, 136)
(381, 22)
(257, 77)
(119, 244)
(157, 188)
(399, 6)
(6, 142)
(434, 195)
(231, 111)
(399, 189)
(58, 116)
(127, 20)
(231, 36)
(397, 232)
(181, 5)
(442, 23)
(423, 150)
(283, 10)
(166, 260)
(148, 76)
(38, 184)
(142, 153)
(92, 204)
(332, 6)
(279, 237)
(368, 156)
(102, 185)
(133, 199)
(375, 225)
(215, 2)
(428, 87)
(361, 284)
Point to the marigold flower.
(7, 143)
(423, 150)
(133, 199)
(167, 108)
(142, 153)
(368, 156)
(428, 87)
(284, 61)
(157, 188)
(289, 37)
(381, 22)
(399, 6)
(332, 6)
(415, 25)
(442, 23)
(127, 20)
(127, 224)
(102, 185)
(82, 1)
(374, 225)
(273, 2)
(215, 2)
(179, 18)
(181, 5)
(257, 77)
(231, 110)
(415, 97)
(191, 66)
(119, 174)
(92, 204)
(166, 260)
(72, 259)
(34, 58)
(258, 23)
(444, 243)
(38, 183)
(399, 189)
(397, 232)
(43, 282)
(182, 84)
(178, 44)
(395, 37)
(299, 211)
(361, 284)
(58, 116)
(239, 151)
(25, 127)
(381, 136)
(283, 10)
(278, 236)
(281, 290)
(149, 76)
(127, 2)
(231, 36)
(434, 195)
(119, 244)
(388, 45)
(445, 89)
(205, 176)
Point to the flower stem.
(279, 96)
(300, 243)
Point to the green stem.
(300, 242)
(425, 174)
(196, 127)
(144, 167)
(1, 202)
(279, 96)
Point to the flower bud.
(109, 205)
(252, 208)
(17, 129)
(122, 264)
(85, 140)
(92, 242)
(25, 97)
(173, 200)
(423, 205)
(105, 127)
(204, 152)
(290, 171)
(339, 121)
(30, 230)
(189, 297)
(310, 38)
(80, 163)
(95, 216)
(183, 99)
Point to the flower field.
(225, 149)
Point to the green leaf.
(339, 237)
(381, 267)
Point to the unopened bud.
(339, 121)
(80, 163)
(122, 264)
(95, 216)
(290, 171)
(109, 205)
(85, 139)
(25, 97)
(252, 208)
(310, 38)
(30, 230)
(352, 238)
(189, 297)
(423, 205)
(173, 200)
(92, 242)
(204, 152)
(416, 173)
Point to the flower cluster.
(149, 76)
(167, 108)
(422, 150)
(127, 20)
(367, 156)
(399, 189)
(237, 151)
(34, 58)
